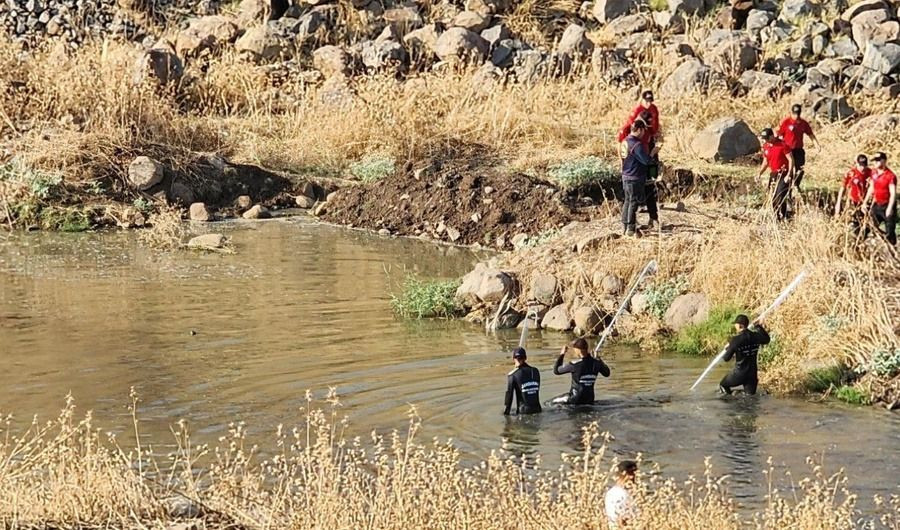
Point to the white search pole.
(649, 268)
(778, 301)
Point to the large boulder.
(257, 212)
(471, 21)
(828, 73)
(691, 76)
(882, 58)
(144, 173)
(686, 7)
(761, 84)
(687, 309)
(484, 284)
(827, 105)
(383, 54)
(793, 10)
(205, 33)
(608, 284)
(403, 18)
(574, 42)
(557, 319)
(332, 60)
(495, 34)
(629, 24)
(875, 26)
(264, 43)
(544, 289)
(606, 10)
(859, 8)
(587, 320)
(424, 38)
(159, 64)
(880, 123)
(460, 44)
(758, 20)
(733, 55)
(725, 139)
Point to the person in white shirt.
(619, 504)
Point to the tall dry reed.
(65, 473)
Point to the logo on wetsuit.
(588, 379)
(531, 387)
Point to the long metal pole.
(778, 301)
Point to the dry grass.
(842, 312)
(65, 473)
(79, 113)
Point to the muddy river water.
(304, 306)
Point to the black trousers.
(634, 196)
(799, 163)
(781, 196)
(734, 379)
(650, 199)
(879, 215)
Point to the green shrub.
(852, 395)
(372, 168)
(539, 239)
(71, 219)
(769, 353)
(884, 363)
(41, 184)
(584, 171)
(660, 296)
(658, 5)
(822, 379)
(426, 298)
(708, 337)
(143, 205)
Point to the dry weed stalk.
(64, 473)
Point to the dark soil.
(484, 207)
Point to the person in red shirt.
(779, 161)
(883, 194)
(792, 130)
(856, 184)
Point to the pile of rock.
(32, 21)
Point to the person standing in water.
(744, 347)
(619, 504)
(525, 382)
(584, 373)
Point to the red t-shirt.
(636, 114)
(856, 182)
(792, 131)
(776, 153)
(881, 185)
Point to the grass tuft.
(660, 295)
(372, 168)
(708, 337)
(852, 395)
(586, 171)
(821, 379)
(426, 298)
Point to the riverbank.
(315, 476)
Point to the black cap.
(519, 353)
(742, 320)
(647, 95)
(862, 160)
(879, 156)
(795, 109)
(766, 133)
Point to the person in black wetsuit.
(584, 373)
(525, 383)
(744, 347)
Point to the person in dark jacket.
(584, 373)
(525, 383)
(636, 161)
(744, 347)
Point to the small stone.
(243, 203)
(680, 207)
(208, 241)
(453, 234)
(199, 212)
(519, 240)
(476, 217)
(488, 190)
(257, 212)
(331, 196)
(384, 232)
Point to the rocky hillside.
(820, 51)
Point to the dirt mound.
(459, 207)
